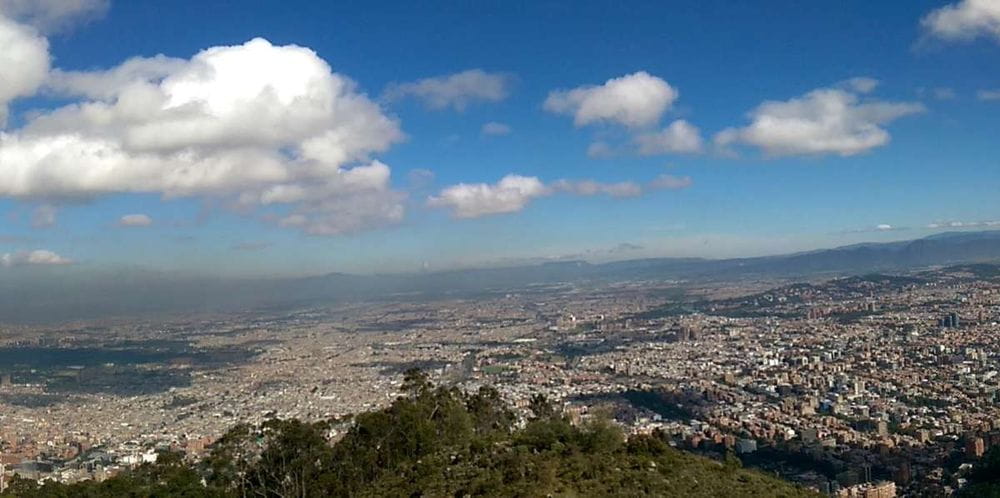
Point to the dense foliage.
(435, 441)
(984, 480)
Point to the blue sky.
(883, 124)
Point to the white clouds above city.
(514, 192)
(824, 121)
(634, 100)
(255, 125)
(472, 200)
(268, 136)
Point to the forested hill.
(434, 441)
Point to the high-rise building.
(975, 447)
(950, 320)
(882, 428)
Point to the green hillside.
(434, 441)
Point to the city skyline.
(302, 138)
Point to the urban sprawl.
(873, 386)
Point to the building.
(950, 320)
(746, 446)
(883, 489)
(975, 447)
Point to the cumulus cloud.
(36, 257)
(109, 84)
(456, 91)
(679, 137)
(471, 200)
(964, 21)
(988, 94)
(44, 216)
(495, 129)
(135, 220)
(514, 192)
(24, 63)
(258, 126)
(634, 100)
(53, 15)
(823, 121)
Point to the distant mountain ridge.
(124, 294)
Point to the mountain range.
(131, 292)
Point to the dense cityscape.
(532, 249)
(874, 384)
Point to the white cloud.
(670, 182)
(44, 216)
(988, 94)
(355, 200)
(495, 129)
(135, 220)
(53, 15)
(256, 125)
(36, 257)
(24, 63)
(590, 187)
(963, 224)
(454, 90)
(108, 85)
(471, 200)
(633, 100)
(965, 20)
(514, 192)
(861, 84)
(881, 227)
(823, 121)
(599, 150)
(679, 137)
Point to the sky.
(258, 137)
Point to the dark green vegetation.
(434, 441)
(984, 481)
